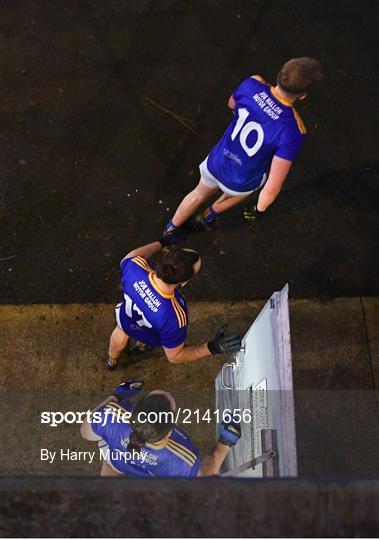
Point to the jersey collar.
(279, 98)
(156, 446)
(157, 288)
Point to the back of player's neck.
(165, 287)
(284, 94)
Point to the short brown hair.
(176, 265)
(145, 430)
(299, 74)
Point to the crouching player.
(142, 439)
(153, 311)
(266, 133)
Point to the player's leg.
(107, 470)
(207, 220)
(138, 347)
(117, 343)
(225, 202)
(191, 202)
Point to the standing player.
(153, 311)
(142, 440)
(265, 133)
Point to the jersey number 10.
(245, 132)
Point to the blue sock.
(170, 227)
(209, 214)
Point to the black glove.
(173, 238)
(230, 433)
(224, 342)
(252, 213)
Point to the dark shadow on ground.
(320, 236)
(92, 166)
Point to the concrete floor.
(93, 167)
(51, 360)
(208, 507)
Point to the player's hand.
(172, 239)
(230, 433)
(127, 389)
(223, 342)
(252, 213)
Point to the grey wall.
(167, 508)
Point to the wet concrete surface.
(211, 507)
(371, 317)
(52, 360)
(93, 166)
(54, 355)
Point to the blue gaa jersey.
(176, 456)
(264, 125)
(148, 314)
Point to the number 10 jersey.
(264, 125)
(146, 313)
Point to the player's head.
(298, 75)
(152, 419)
(176, 265)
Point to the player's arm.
(184, 353)
(221, 343)
(125, 390)
(211, 464)
(230, 434)
(232, 103)
(244, 89)
(145, 251)
(278, 173)
(86, 430)
(148, 250)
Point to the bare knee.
(194, 197)
(201, 193)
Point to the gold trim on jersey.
(180, 313)
(300, 123)
(184, 449)
(180, 454)
(258, 78)
(279, 98)
(156, 286)
(142, 263)
(118, 411)
(114, 405)
(157, 446)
